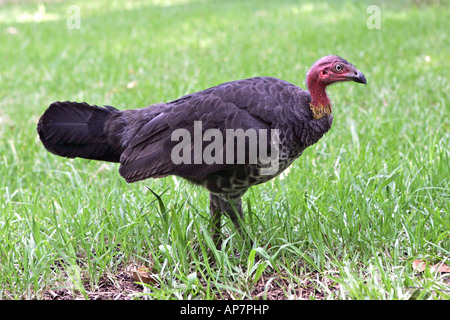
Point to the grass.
(348, 220)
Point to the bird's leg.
(233, 208)
(215, 212)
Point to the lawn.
(346, 222)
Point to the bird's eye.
(338, 67)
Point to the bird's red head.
(326, 71)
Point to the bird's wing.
(244, 104)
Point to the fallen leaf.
(131, 84)
(443, 268)
(419, 265)
(12, 30)
(143, 274)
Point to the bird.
(160, 140)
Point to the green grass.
(346, 222)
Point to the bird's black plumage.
(141, 140)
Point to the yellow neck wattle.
(320, 111)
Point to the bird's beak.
(357, 76)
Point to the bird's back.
(261, 103)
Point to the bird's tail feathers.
(74, 129)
